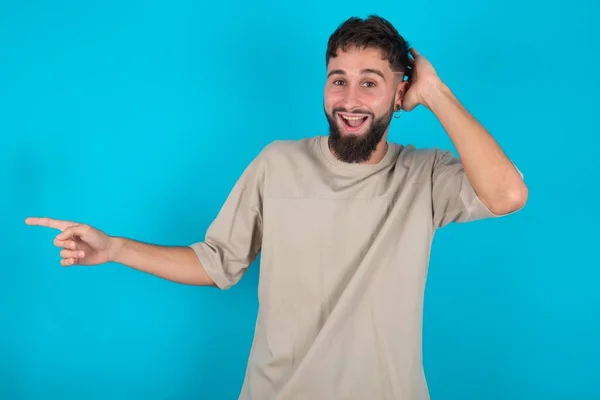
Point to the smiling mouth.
(352, 123)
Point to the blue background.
(137, 117)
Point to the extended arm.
(178, 264)
(82, 244)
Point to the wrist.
(115, 248)
(435, 92)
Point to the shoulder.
(424, 164)
(290, 146)
(411, 156)
(286, 151)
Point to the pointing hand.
(81, 244)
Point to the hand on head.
(80, 244)
(424, 79)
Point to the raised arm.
(493, 176)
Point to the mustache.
(356, 111)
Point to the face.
(360, 96)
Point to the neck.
(379, 153)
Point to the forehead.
(354, 60)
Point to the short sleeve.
(233, 240)
(453, 197)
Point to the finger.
(414, 53)
(66, 262)
(72, 231)
(64, 253)
(65, 244)
(49, 222)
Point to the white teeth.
(352, 118)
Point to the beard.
(352, 148)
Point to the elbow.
(519, 196)
(511, 201)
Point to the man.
(344, 225)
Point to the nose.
(351, 98)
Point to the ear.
(401, 89)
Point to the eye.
(338, 82)
(369, 84)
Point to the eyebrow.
(363, 71)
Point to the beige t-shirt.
(344, 256)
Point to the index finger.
(49, 222)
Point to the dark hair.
(372, 32)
